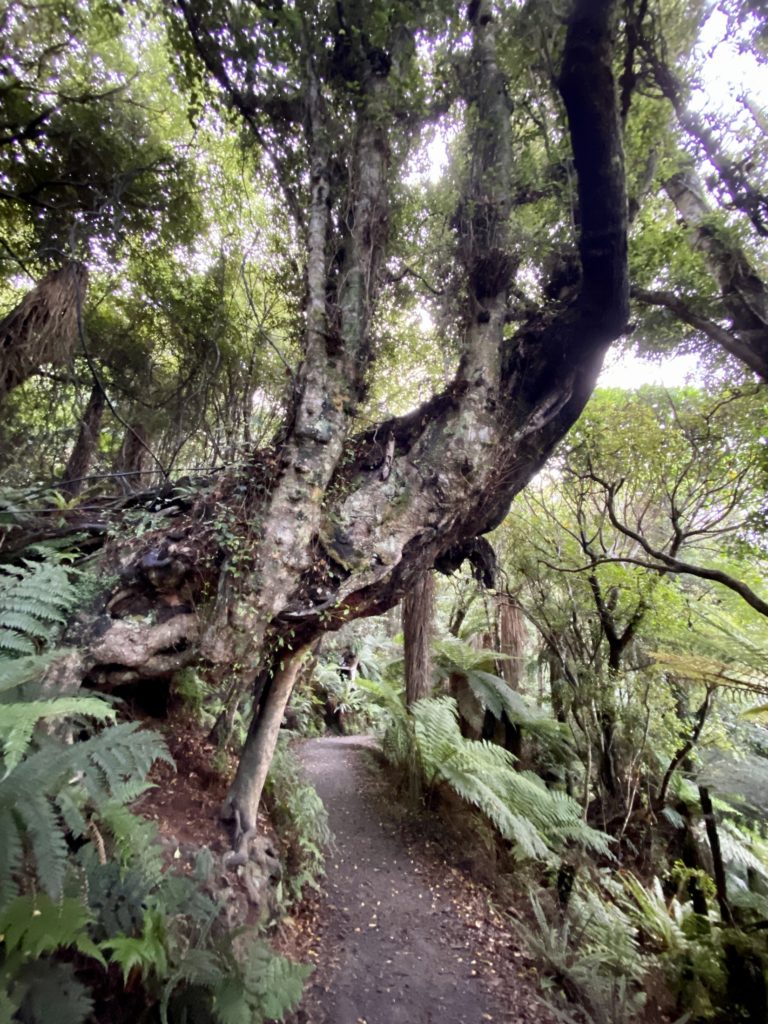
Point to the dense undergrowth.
(623, 927)
(96, 920)
(94, 923)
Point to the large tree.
(521, 253)
(350, 519)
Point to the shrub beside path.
(404, 938)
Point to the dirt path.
(404, 938)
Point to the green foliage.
(191, 690)
(687, 946)
(34, 600)
(591, 957)
(145, 953)
(19, 721)
(215, 985)
(540, 822)
(301, 820)
(399, 740)
(268, 986)
(44, 990)
(39, 805)
(478, 666)
(155, 926)
(33, 925)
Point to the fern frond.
(135, 839)
(47, 990)
(24, 669)
(15, 645)
(275, 984)
(457, 656)
(30, 804)
(538, 820)
(146, 953)
(201, 968)
(116, 896)
(11, 849)
(48, 846)
(23, 621)
(736, 851)
(35, 924)
(19, 720)
(34, 600)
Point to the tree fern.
(540, 822)
(478, 667)
(454, 655)
(398, 740)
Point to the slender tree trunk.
(691, 859)
(512, 635)
(717, 856)
(132, 458)
(685, 749)
(245, 792)
(607, 750)
(557, 689)
(418, 616)
(81, 456)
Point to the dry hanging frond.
(42, 329)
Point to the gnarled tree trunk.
(339, 523)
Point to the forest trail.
(403, 937)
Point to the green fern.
(399, 742)
(134, 839)
(35, 598)
(116, 896)
(591, 951)
(39, 803)
(494, 694)
(34, 925)
(265, 988)
(249, 988)
(20, 719)
(29, 668)
(146, 953)
(301, 819)
(46, 990)
(155, 926)
(540, 821)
